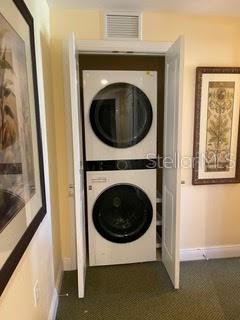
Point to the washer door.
(122, 213)
(121, 115)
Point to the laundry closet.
(122, 112)
(119, 131)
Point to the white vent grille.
(122, 26)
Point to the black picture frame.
(15, 256)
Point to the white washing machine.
(121, 216)
(120, 114)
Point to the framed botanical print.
(216, 151)
(22, 195)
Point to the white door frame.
(124, 48)
(171, 188)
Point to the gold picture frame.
(216, 156)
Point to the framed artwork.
(22, 195)
(216, 151)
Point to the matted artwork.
(22, 196)
(216, 133)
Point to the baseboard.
(55, 298)
(228, 251)
(68, 264)
(54, 305)
(59, 278)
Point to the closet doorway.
(167, 60)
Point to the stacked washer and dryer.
(120, 117)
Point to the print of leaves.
(218, 130)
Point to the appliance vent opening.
(123, 26)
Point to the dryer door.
(122, 213)
(121, 115)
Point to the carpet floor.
(210, 290)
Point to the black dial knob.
(122, 165)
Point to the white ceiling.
(208, 7)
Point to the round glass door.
(121, 115)
(122, 213)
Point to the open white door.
(172, 172)
(72, 88)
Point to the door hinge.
(71, 188)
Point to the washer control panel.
(110, 165)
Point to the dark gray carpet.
(210, 290)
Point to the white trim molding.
(59, 279)
(122, 47)
(217, 252)
(55, 298)
(54, 306)
(68, 124)
(69, 264)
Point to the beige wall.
(42, 259)
(47, 89)
(210, 214)
(87, 25)
(17, 301)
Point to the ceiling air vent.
(123, 25)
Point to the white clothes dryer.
(120, 114)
